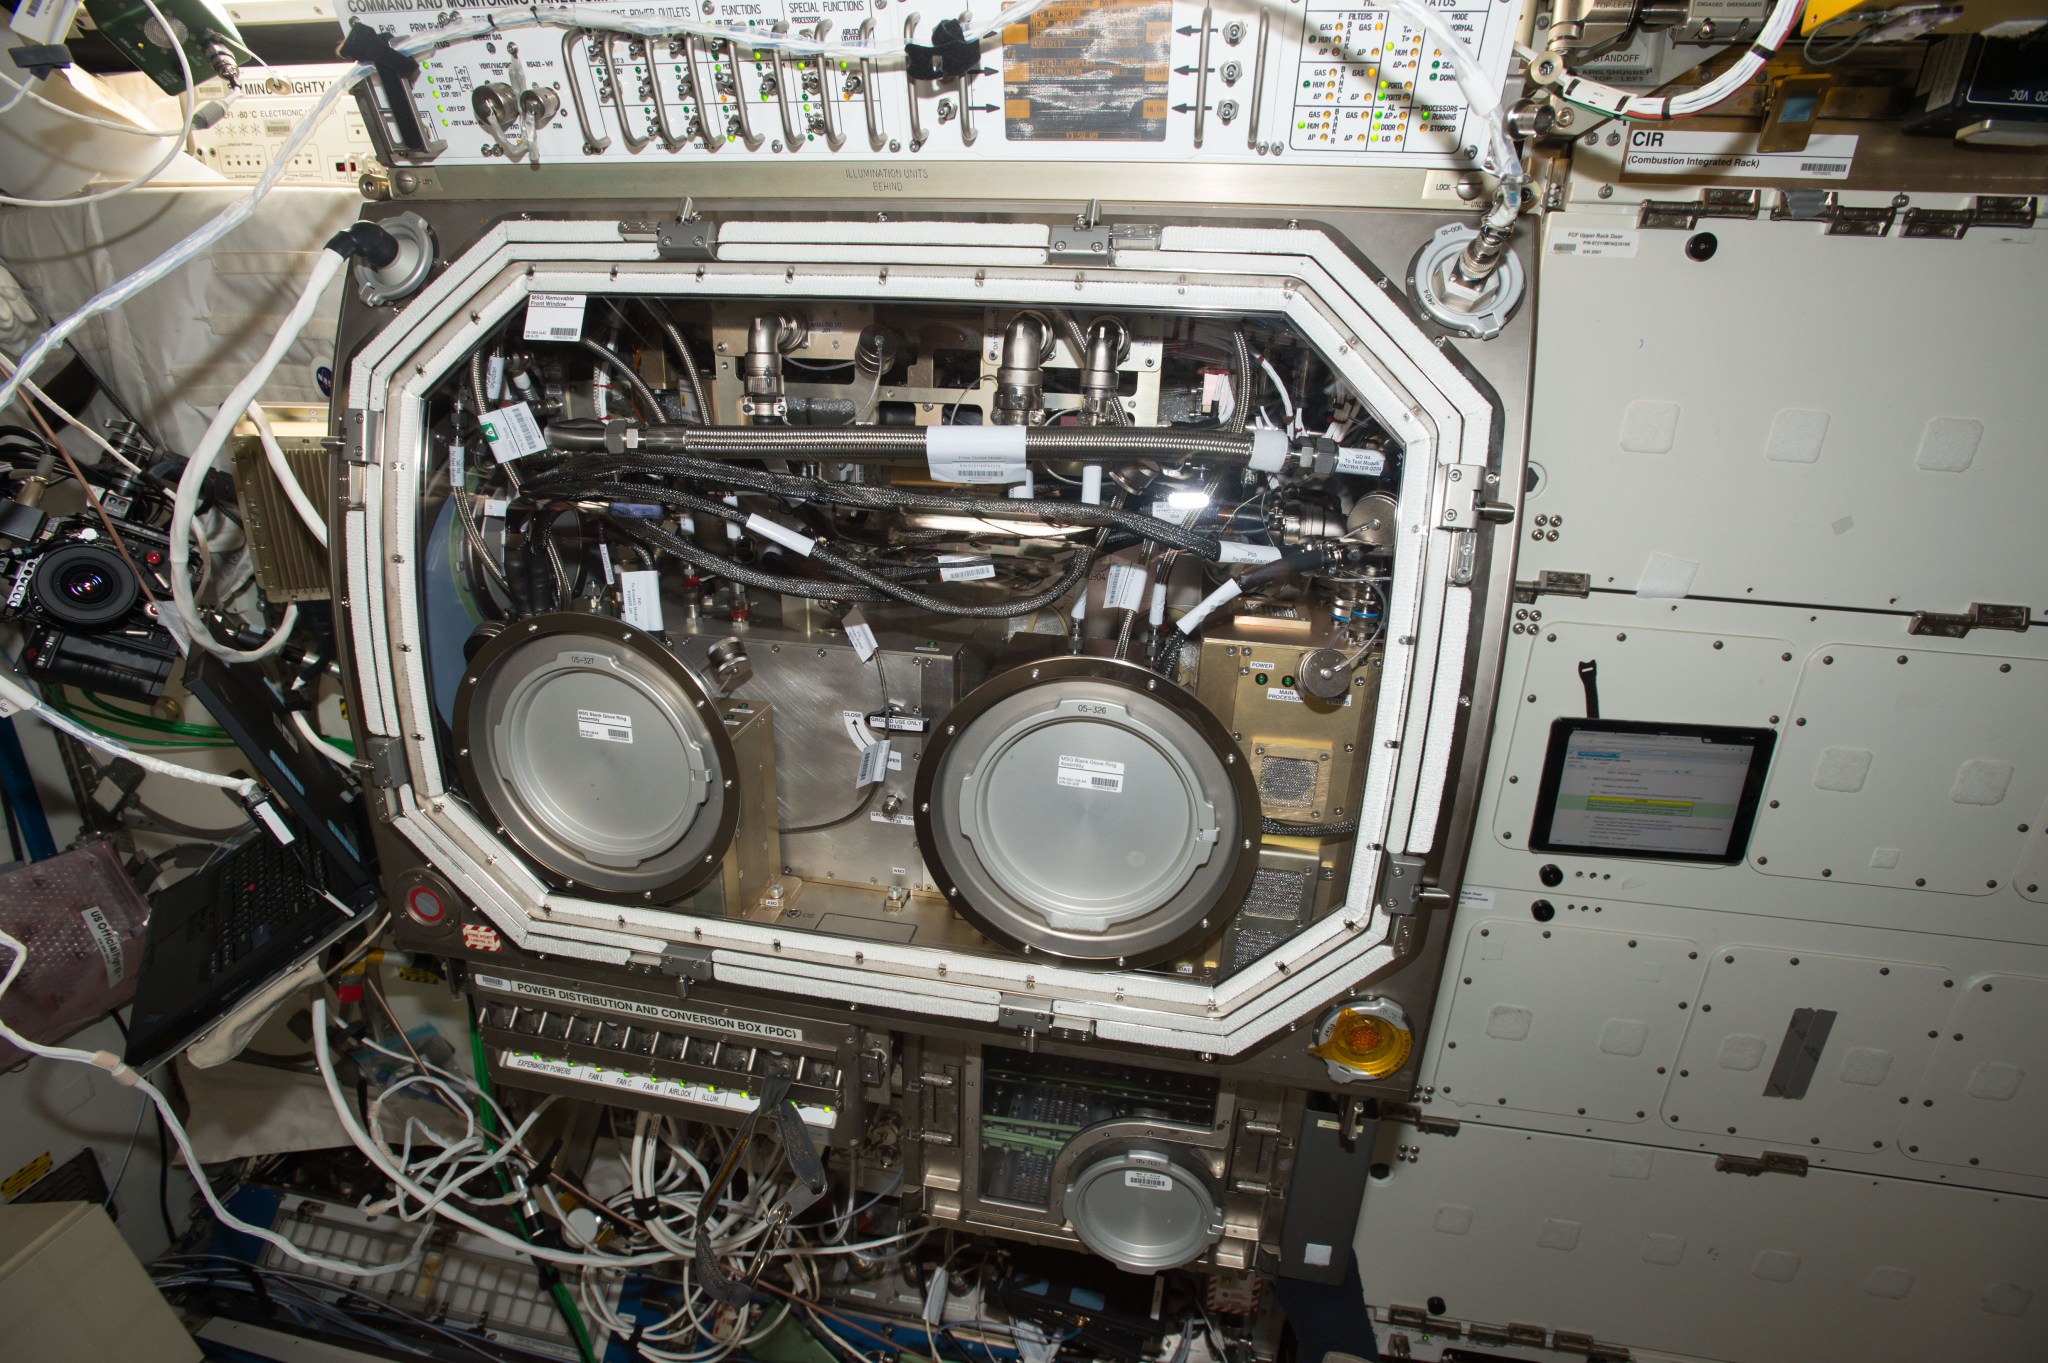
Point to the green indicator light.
(1287, 682)
(1259, 677)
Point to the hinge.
(1089, 241)
(385, 762)
(696, 240)
(1978, 616)
(1769, 1162)
(1401, 889)
(688, 236)
(1420, 1120)
(1462, 485)
(1989, 210)
(1024, 1015)
(1681, 215)
(686, 965)
(1551, 583)
(1824, 205)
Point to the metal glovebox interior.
(1458, 410)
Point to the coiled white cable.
(185, 503)
(1617, 103)
(293, 489)
(119, 1071)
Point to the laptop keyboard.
(262, 886)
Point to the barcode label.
(43, 21)
(513, 433)
(965, 568)
(1145, 1178)
(1091, 773)
(1829, 168)
(554, 316)
(604, 726)
(874, 764)
(1125, 588)
(1618, 242)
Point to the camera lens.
(84, 586)
(87, 585)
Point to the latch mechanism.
(1978, 616)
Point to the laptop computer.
(263, 904)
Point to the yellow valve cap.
(1373, 1046)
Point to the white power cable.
(323, 1056)
(1481, 95)
(185, 503)
(1618, 103)
(319, 741)
(293, 489)
(15, 696)
(9, 366)
(195, 242)
(190, 101)
(114, 1066)
(26, 90)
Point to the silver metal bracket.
(686, 965)
(1412, 1115)
(1090, 241)
(385, 762)
(1682, 215)
(687, 239)
(1978, 616)
(1401, 889)
(1989, 210)
(1552, 583)
(1022, 1014)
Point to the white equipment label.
(43, 21)
(1125, 589)
(513, 433)
(975, 454)
(1659, 151)
(603, 725)
(1145, 1178)
(1618, 242)
(108, 941)
(279, 829)
(640, 593)
(1091, 773)
(861, 635)
(554, 316)
(731, 1100)
(965, 568)
(1235, 552)
(1369, 462)
(874, 764)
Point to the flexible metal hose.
(1307, 830)
(476, 380)
(874, 444)
(1078, 339)
(1241, 384)
(643, 396)
(696, 380)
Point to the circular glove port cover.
(599, 756)
(1143, 1212)
(1087, 809)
